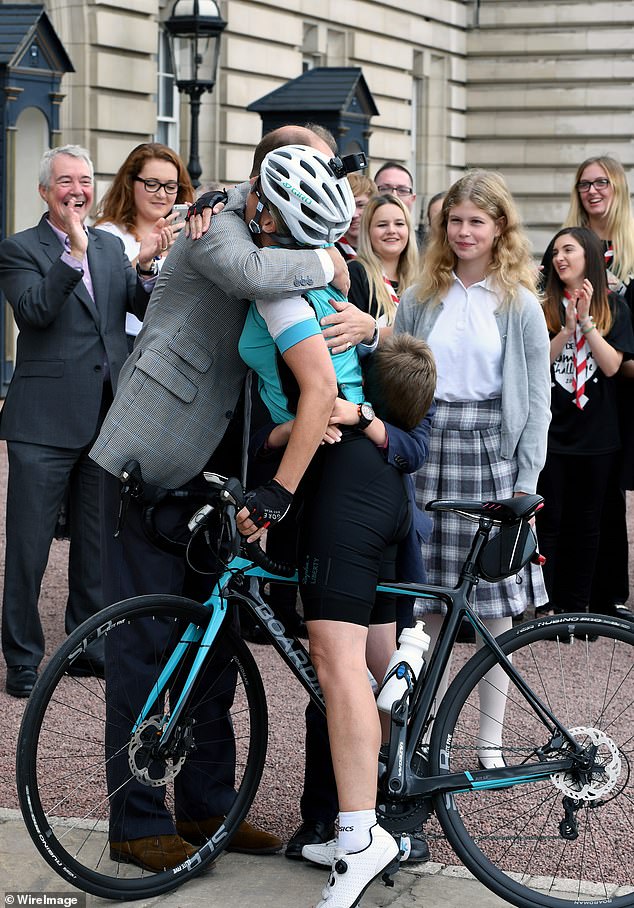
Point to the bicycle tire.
(582, 668)
(64, 757)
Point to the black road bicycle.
(554, 824)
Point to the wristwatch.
(152, 271)
(366, 415)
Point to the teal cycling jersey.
(271, 328)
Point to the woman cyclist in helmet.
(355, 503)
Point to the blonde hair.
(361, 185)
(407, 263)
(511, 261)
(619, 221)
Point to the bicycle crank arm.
(395, 783)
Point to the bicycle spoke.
(570, 836)
(83, 760)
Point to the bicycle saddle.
(503, 512)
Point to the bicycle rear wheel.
(84, 781)
(547, 842)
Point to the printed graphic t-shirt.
(595, 428)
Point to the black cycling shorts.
(355, 512)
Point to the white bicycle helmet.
(316, 205)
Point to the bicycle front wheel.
(89, 781)
(569, 836)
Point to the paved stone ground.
(237, 880)
(241, 881)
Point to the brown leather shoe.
(153, 853)
(246, 840)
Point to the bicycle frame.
(239, 571)
(401, 780)
(240, 582)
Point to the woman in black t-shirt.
(590, 332)
(600, 200)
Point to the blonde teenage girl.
(475, 305)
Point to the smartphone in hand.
(180, 211)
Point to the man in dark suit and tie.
(69, 288)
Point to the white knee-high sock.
(493, 690)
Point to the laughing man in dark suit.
(69, 288)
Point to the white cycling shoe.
(353, 872)
(323, 854)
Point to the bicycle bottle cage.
(507, 552)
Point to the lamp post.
(195, 27)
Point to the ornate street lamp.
(195, 27)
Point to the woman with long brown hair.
(590, 331)
(151, 180)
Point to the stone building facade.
(525, 86)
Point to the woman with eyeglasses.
(387, 259)
(600, 200)
(151, 180)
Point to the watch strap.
(364, 421)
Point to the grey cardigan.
(525, 376)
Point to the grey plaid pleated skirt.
(464, 462)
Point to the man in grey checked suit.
(180, 386)
(176, 409)
(69, 289)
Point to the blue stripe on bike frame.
(191, 635)
(499, 783)
(385, 588)
(507, 783)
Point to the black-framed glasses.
(171, 187)
(586, 185)
(402, 191)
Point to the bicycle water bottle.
(413, 644)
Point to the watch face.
(367, 412)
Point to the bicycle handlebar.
(259, 556)
(231, 494)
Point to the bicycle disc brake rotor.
(145, 766)
(605, 772)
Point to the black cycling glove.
(206, 200)
(268, 504)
